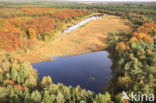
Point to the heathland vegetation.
(133, 55)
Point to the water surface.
(73, 27)
(91, 71)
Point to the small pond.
(91, 71)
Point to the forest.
(20, 84)
(135, 61)
(20, 28)
(23, 25)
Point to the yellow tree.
(31, 33)
(46, 81)
(120, 47)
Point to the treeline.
(133, 55)
(19, 83)
(30, 22)
(135, 17)
(134, 58)
(20, 28)
(139, 9)
(137, 13)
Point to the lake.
(91, 71)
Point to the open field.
(88, 38)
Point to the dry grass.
(89, 38)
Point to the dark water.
(91, 71)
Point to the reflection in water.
(91, 71)
(92, 78)
(80, 24)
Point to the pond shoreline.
(92, 71)
(89, 38)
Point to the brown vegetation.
(88, 38)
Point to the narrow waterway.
(73, 27)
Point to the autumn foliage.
(121, 46)
(135, 61)
(6, 82)
(20, 27)
(19, 87)
(141, 36)
(145, 33)
(31, 33)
